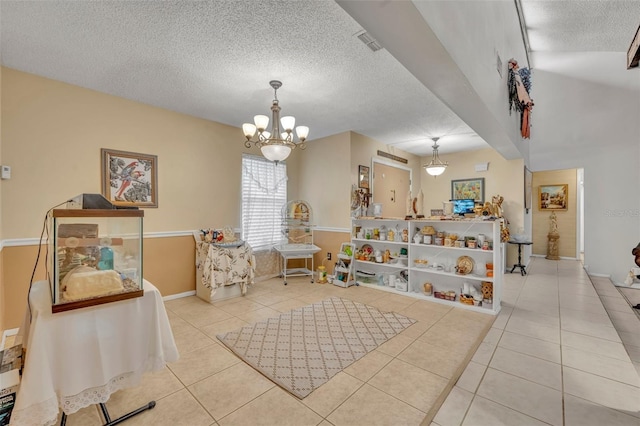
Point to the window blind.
(264, 192)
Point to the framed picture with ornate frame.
(129, 178)
(468, 189)
(553, 197)
(363, 177)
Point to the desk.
(519, 264)
(232, 268)
(79, 358)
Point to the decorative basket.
(466, 299)
(428, 230)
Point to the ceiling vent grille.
(371, 42)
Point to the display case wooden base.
(95, 301)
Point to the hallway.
(553, 355)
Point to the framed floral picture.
(468, 189)
(130, 178)
(553, 197)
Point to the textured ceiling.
(581, 26)
(214, 59)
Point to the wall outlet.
(328, 256)
(6, 172)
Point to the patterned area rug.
(303, 348)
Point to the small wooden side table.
(523, 271)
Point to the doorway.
(390, 187)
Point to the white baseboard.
(543, 256)
(179, 295)
(600, 275)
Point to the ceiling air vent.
(369, 41)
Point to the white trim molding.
(179, 295)
(16, 242)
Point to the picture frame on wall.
(553, 197)
(363, 177)
(129, 178)
(528, 189)
(473, 189)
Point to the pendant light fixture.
(436, 167)
(275, 145)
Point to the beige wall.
(504, 177)
(2, 308)
(330, 242)
(566, 218)
(325, 179)
(364, 149)
(169, 263)
(52, 134)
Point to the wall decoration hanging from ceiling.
(130, 178)
(519, 84)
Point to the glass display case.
(96, 257)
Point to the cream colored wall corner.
(566, 219)
(2, 298)
(364, 149)
(52, 133)
(504, 177)
(324, 179)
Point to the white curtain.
(264, 193)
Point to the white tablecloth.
(78, 358)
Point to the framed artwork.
(528, 196)
(129, 178)
(553, 197)
(363, 177)
(468, 189)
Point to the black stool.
(519, 264)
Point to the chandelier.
(275, 145)
(436, 167)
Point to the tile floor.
(552, 356)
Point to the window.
(264, 192)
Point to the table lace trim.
(34, 415)
(97, 395)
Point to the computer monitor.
(463, 206)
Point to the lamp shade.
(275, 152)
(435, 170)
(262, 121)
(302, 132)
(288, 123)
(249, 130)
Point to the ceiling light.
(275, 145)
(436, 167)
